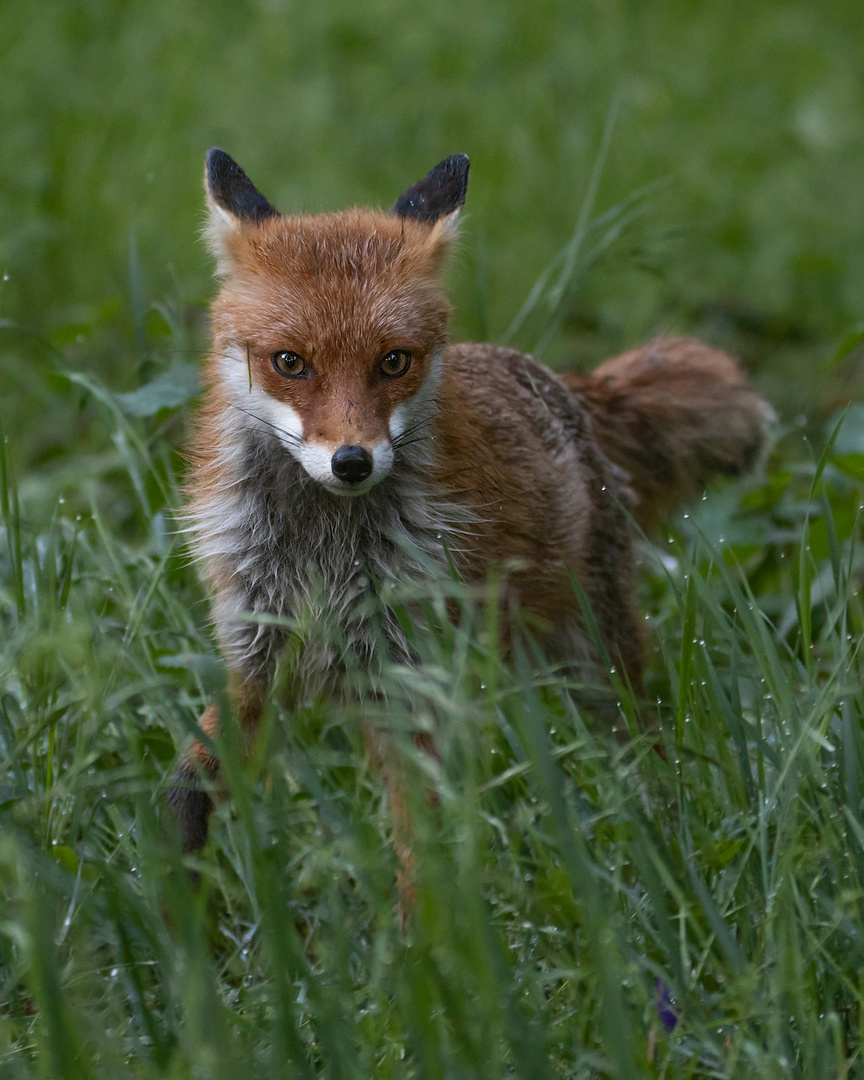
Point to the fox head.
(329, 330)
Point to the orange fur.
(674, 414)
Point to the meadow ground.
(585, 907)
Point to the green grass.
(565, 871)
(567, 868)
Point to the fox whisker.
(283, 433)
(403, 436)
(403, 443)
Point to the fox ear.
(232, 200)
(438, 197)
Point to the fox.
(343, 442)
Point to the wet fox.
(343, 442)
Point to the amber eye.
(395, 363)
(290, 364)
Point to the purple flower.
(665, 1006)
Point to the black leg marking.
(191, 807)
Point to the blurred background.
(637, 168)
(708, 160)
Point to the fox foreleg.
(387, 759)
(189, 799)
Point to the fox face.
(329, 330)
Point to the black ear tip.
(441, 191)
(459, 164)
(216, 157)
(221, 167)
(232, 189)
(214, 166)
(217, 168)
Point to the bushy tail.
(674, 414)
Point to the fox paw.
(191, 808)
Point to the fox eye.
(395, 363)
(290, 364)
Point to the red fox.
(342, 441)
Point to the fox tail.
(674, 414)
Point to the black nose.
(351, 463)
